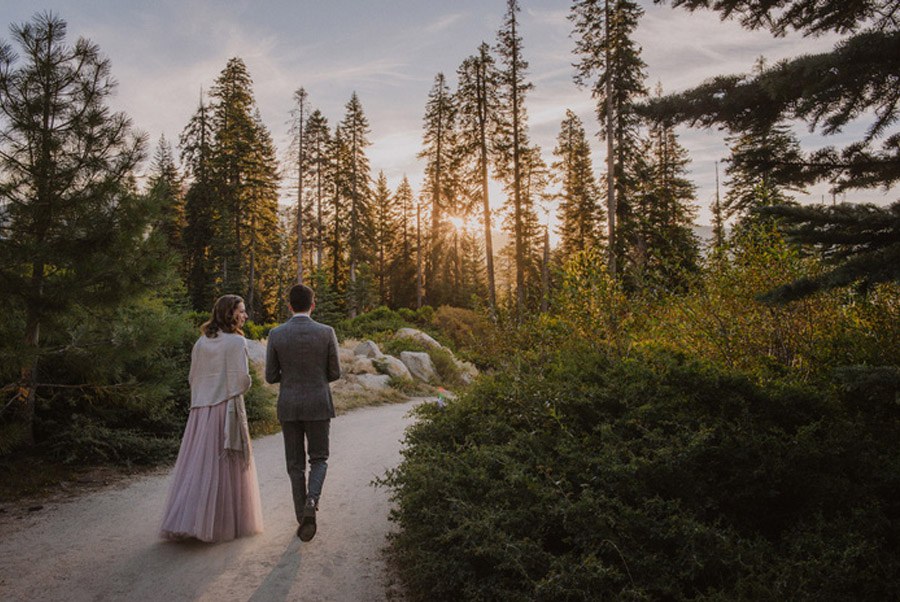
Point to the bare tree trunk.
(251, 293)
(300, 205)
(517, 176)
(481, 83)
(418, 255)
(354, 217)
(545, 273)
(300, 96)
(319, 232)
(610, 151)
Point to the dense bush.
(122, 393)
(472, 333)
(721, 320)
(257, 332)
(652, 477)
(421, 316)
(261, 403)
(374, 324)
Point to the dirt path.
(104, 546)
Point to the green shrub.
(473, 335)
(652, 477)
(407, 314)
(87, 440)
(261, 403)
(257, 332)
(721, 320)
(424, 315)
(374, 324)
(125, 394)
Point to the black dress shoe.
(307, 529)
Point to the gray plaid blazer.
(302, 355)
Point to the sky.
(164, 52)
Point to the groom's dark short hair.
(301, 297)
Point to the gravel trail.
(103, 545)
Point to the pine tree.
(809, 17)
(246, 179)
(200, 199)
(477, 106)
(580, 217)
(320, 169)
(536, 177)
(439, 187)
(402, 267)
(74, 234)
(668, 248)
(604, 31)
(755, 171)
(234, 136)
(511, 141)
(718, 221)
(338, 210)
(385, 221)
(861, 245)
(166, 191)
(260, 222)
(355, 178)
(300, 152)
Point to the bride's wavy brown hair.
(222, 319)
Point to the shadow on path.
(277, 584)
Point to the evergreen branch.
(826, 90)
(812, 17)
(863, 240)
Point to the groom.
(303, 356)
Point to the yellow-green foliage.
(722, 320)
(590, 304)
(473, 335)
(466, 328)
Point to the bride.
(214, 495)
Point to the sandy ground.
(103, 545)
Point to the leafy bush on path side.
(647, 478)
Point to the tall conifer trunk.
(610, 152)
(483, 148)
(517, 173)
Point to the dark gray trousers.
(302, 438)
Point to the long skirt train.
(213, 496)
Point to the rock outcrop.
(420, 365)
(364, 367)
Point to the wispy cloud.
(443, 23)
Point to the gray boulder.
(368, 349)
(417, 335)
(467, 371)
(362, 365)
(348, 384)
(391, 366)
(346, 357)
(374, 382)
(419, 364)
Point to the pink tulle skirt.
(213, 496)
